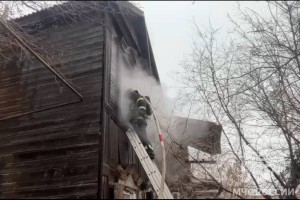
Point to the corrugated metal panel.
(53, 153)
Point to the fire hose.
(161, 139)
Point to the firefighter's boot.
(150, 151)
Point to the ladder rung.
(148, 165)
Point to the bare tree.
(249, 83)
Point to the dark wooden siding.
(114, 74)
(118, 149)
(53, 153)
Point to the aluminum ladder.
(148, 165)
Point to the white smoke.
(136, 78)
(132, 76)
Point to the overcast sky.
(170, 26)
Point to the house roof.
(54, 10)
(130, 19)
(205, 135)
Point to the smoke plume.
(184, 131)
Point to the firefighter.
(140, 111)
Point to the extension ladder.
(148, 165)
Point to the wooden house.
(60, 134)
(52, 143)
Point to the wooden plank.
(73, 51)
(38, 118)
(34, 138)
(33, 135)
(50, 174)
(67, 42)
(58, 120)
(41, 72)
(58, 99)
(44, 184)
(36, 157)
(61, 58)
(112, 142)
(48, 144)
(71, 30)
(78, 158)
(76, 81)
(84, 42)
(123, 149)
(50, 105)
(60, 34)
(47, 91)
(62, 190)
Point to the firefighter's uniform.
(139, 113)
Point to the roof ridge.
(38, 11)
(121, 4)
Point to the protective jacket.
(138, 115)
(139, 109)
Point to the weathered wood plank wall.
(54, 153)
(116, 145)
